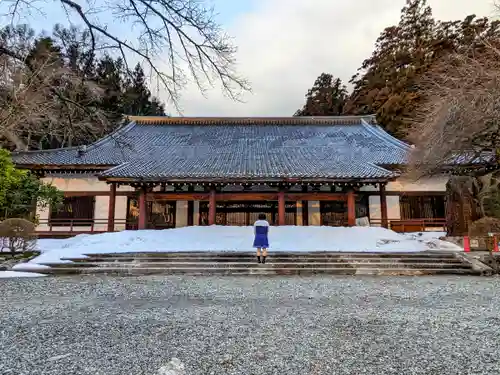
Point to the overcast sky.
(285, 44)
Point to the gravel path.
(285, 326)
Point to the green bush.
(17, 235)
(21, 191)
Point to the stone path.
(290, 325)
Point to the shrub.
(484, 226)
(17, 235)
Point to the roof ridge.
(245, 120)
(379, 132)
(120, 131)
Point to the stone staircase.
(245, 264)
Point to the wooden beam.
(143, 212)
(212, 204)
(249, 196)
(323, 196)
(281, 207)
(383, 206)
(351, 208)
(111, 207)
(318, 196)
(98, 193)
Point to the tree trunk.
(15, 139)
(462, 205)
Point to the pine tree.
(327, 97)
(385, 83)
(137, 97)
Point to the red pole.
(383, 206)
(495, 244)
(111, 207)
(281, 207)
(466, 244)
(142, 210)
(211, 207)
(351, 208)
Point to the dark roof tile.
(177, 148)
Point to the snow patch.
(236, 239)
(14, 274)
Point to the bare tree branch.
(184, 32)
(42, 97)
(458, 123)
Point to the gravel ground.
(284, 326)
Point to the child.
(261, 242)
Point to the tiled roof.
(225, 148)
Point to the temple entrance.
(161, 214)
(334, 213)
(245, 213)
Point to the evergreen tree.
(327, 97)
(387, 83)
(137, 97)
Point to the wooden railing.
(78, 225)
(412, 225)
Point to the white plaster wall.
(101, 212)
(437, 183)
(84, 184)
(196, 214)
(81, 183)
(120, 212)
(393, 210)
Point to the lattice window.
(422, 207)
(74, 211)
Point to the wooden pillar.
(111, 207)
(383, 206)
(351, 208)
(211, 207)
(305, 208)
(143, 212)
(190, 209)
(281, 207)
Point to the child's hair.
(262, 216)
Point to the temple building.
(166, 172)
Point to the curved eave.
(352, 180)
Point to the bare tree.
(458, 125)
(40, 96)
(184, 33)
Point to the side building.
(166, 172)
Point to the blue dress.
(261, 230)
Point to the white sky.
(285, 44)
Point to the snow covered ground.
(9, 274)
(239, 239)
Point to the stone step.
(429, 254)
(263, 270)
(274, 264)
(252, 259)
